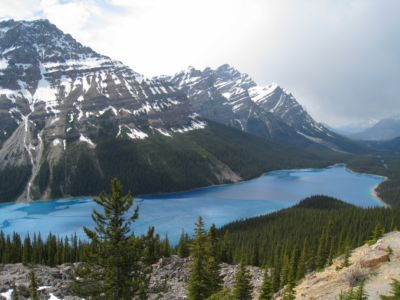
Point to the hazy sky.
(340, 59)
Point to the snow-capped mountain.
(71, 119)
(233, 98)
(54, 90)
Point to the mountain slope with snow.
(70, 119)
(55, 91)
(233, 98)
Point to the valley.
(221, 187)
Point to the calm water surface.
(173, 213)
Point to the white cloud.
(340, 58)
(18, 9)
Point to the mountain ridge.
(64, 106)
(55, 91)
(383, 130)
(232, 98)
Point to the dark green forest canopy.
(267, 239)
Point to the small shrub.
(355, 276)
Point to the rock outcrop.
(376, 265)
(168, 280)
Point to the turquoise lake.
(175, 212)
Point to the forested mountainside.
(290, 242)
(214, 155)
(259, 240)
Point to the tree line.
(114, 263)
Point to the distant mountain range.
(385, 129)
(70, 119)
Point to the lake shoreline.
(218, 204)
(374, 190)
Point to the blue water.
(173, 213)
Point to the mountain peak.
(230, 97)
(39, 40)
(225, 67)
(227, 70)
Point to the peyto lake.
(175, 212)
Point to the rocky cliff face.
(233, 98)
(377, 265)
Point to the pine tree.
(243, 288)
(198, 288)
(65, 252)
(26, 252)
(33, 286)
(346, 260)
(302, 265)
(289, 290)
(114, 268)
(165, 248)
(284, 272)
(289, 293)
(183, 245)
(255, 255)
(376, 234)
(323, 245)
(151, 242)
(215, 280)
(267, 288)
(360, 293)
(276, 277)
(291, 278)
(226, 251)
(331, 252)
(395, 291)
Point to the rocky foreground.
(376, 265)
(168, 280)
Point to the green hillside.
(215, 155)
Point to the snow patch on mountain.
(109, 108)
(195, 124)
(85, 139)
(259, 93)
(132, 133)
(163, 132)
(3, 63)
(84, 63)
(44, 91)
